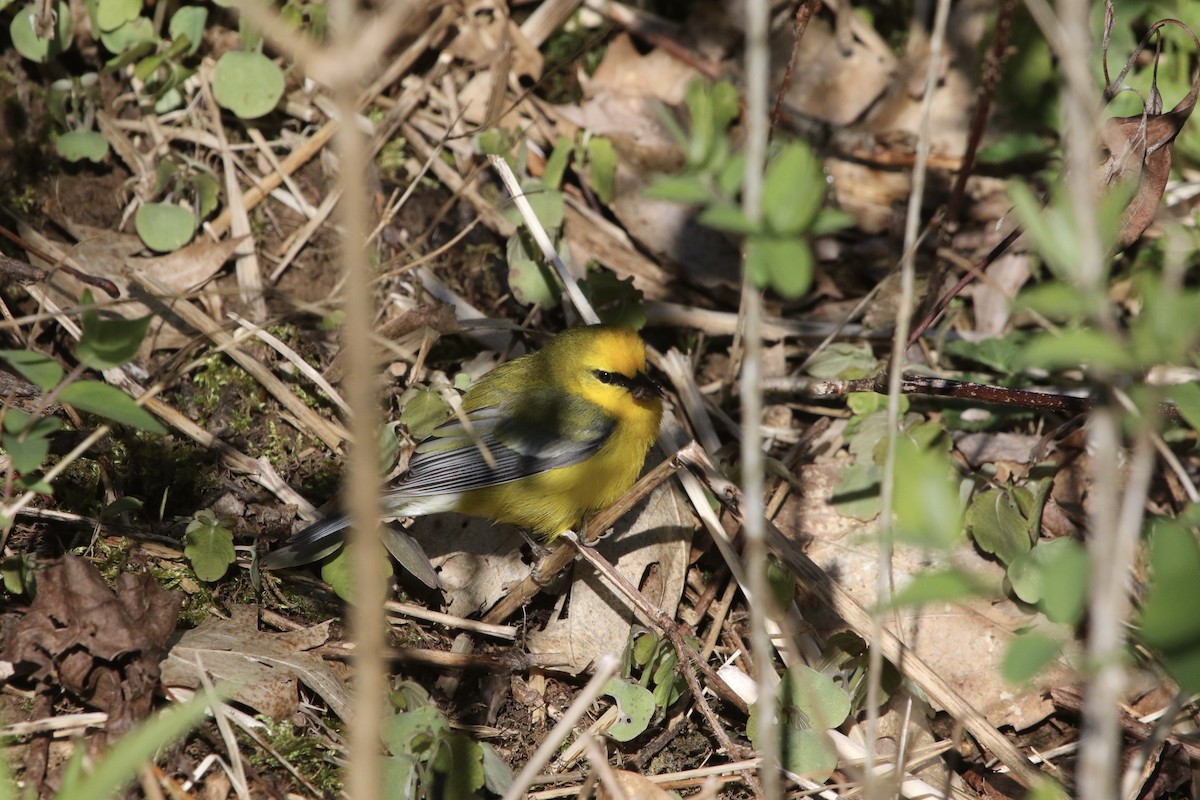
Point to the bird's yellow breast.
(555, 501)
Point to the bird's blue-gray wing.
(545, 433)
(548, 430)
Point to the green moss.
(21, 198)
(306, 752)
(222, 386)
(392, 157)
(111, 558)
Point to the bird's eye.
(604, 376)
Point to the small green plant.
(190, 193)
(650, 683)
(593, 156)
(157, 55)
(428, 759)
(616, 301)
(1166, 623)
(777, 253)
(208, 546)
(41, 32)
(810, 704)
(530, 278)
(160, 63)
(105, 343)
(72, 103)
(247, 83)
(19, 573)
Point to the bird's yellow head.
(606, 365)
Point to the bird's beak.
(645, 387)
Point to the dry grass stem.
(254, 195)
(249, 274)
(331, 433)
(409, 610)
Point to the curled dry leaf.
(477, 560)
(101, 646)
(1139, 147)
(487, 32)
(632, 785)
(109, 257)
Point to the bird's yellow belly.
(552, 502)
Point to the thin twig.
(884, 579)
(758, 129)
(535, 228)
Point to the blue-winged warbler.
(567, 427)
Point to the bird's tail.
(325, 536)
(311, 544)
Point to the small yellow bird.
(568, 429)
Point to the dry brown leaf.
(486, 30)
(107, 255)
(622, 101)
(262, 667)
(625, 71)
(834, 80)
(101, 646)
(989, 447)
(189, 268)
(594, 237)
(993, 299)
(1139, 147)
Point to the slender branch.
(757, 125)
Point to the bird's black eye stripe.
(611, 378)
(639, 385)
(615, 379)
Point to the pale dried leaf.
(107, 255)
(993, 298)
(964, 642)
(831, 83)
(191, 267)
(633, 787)
(264, 667)
(477, 560)
(482, 36)
(625, 71)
